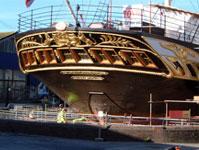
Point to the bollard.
(124, 121)
(130, 120)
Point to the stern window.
(99, 55)
(65, 55)
(31, 58)
(178, 67)
(25, 58)
(42, 57)
(106, 56)
(146, 60)
(131, 58)
(193, 73)
(83, 56)
(50, 56)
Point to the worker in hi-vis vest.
(61, 117)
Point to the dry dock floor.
(10, 141)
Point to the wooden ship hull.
(120, 92)
(106, 71)
(98, 68)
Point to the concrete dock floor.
(10, 141)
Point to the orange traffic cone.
(177, 148)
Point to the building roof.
(6, 34)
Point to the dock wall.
(175, 134)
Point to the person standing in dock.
(61, 117)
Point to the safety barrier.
(174, 24)
(51, 116)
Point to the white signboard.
(132, 15)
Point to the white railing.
(171, 24)
(50, 116)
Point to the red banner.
(29, 3)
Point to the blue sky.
(9, 9)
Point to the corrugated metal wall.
(12, 84)
(12, 80)
(8, 45)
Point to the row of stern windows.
(80, 55)
(193, 69)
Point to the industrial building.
(14, 85)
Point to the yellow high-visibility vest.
(61, 117)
